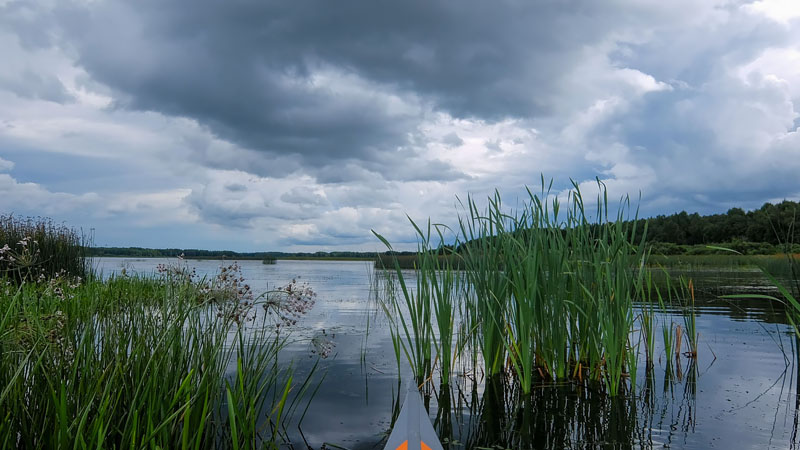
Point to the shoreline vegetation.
(547, 293)
(548, 296)
(764, 231)
(698, 256)
(168, 360)
(140, 252)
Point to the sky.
(257, 125)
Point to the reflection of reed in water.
(551, 416)
(796, 416)
(677, 414)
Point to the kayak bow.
(413, 429)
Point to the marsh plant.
(169, 361)
(424, 316)
(548, 293)
(36, 248)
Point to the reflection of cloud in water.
(743, 399)
(351, 409)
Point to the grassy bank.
(163, 362)
(37, 248)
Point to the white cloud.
(783, 11)
(659, 97)
(150, 208)
(32, 198)
(780, 66)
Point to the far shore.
(244, 258)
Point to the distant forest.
(191, 253)
(769, 229)
(765, 230)
(773, 224)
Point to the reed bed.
(564, 416)
(781, 265)
(39, 249)
(548, 294)
(789, 290)
(444, 256)
(167, 361)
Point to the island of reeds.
(550, 292)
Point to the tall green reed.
(647, 316)
(548, 291)
(689, 317)
(131, 363)
(485, 308)
(432, 301)
(410, 318)
(38, 249)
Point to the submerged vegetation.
(547, 294)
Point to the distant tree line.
(762, 231)
(770, 229)
(190, 253)
(771, 224)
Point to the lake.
(741, 392)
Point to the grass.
(788, 291)
(779, 264)
(410, 319)
(548, 294)
(411, 262)
(486, 300)
(141, 362)
(37, 249)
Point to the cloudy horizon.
(260, 125)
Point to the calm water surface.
(740, 393)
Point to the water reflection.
(740, 392)
(563, 416)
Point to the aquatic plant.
(446, 284)
(410, 318)
(647, 316)
(488, 292)
(38, 249)
(138, 362)
(689, 322)
(548, 292)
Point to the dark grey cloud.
(320, 120)
(35, 86)
(452, 140)
(236, 187)
(333, 81)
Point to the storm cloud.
(309, 123)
